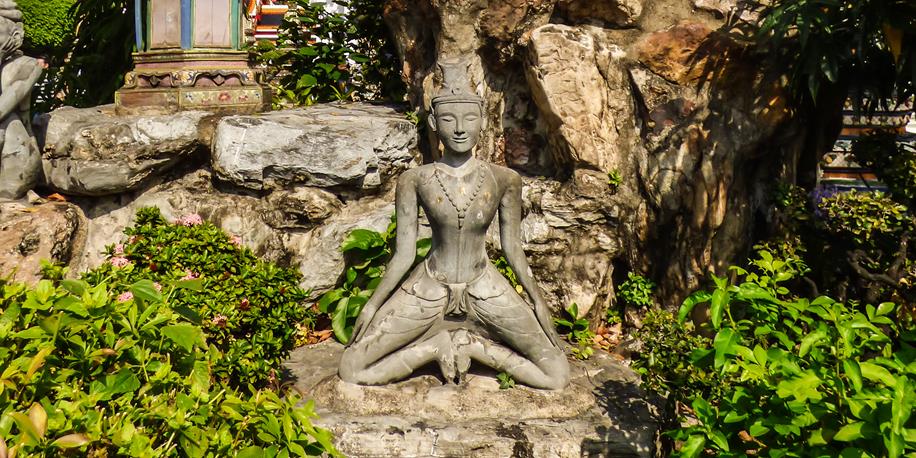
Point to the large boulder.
(30, 234)
(578, 83)
(601, 413)
(326, 146)
(93, 152)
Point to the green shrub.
(248, 308)
(809, 377)
(117, 369)
(865, 218)
(90, 65)
(636, 291)
(47, 24)
(664, 362)
(323, 56)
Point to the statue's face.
(458, 125)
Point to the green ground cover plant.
(144, 357)
(249, 308)
(808, 377)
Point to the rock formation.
(647, 90)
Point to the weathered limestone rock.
(93, 152)
(723, 8)
(274, 228)
(301, 207)
(359, 146)
(602, 413)
(616, 12)
(672, 53)
(569, 74)
(317, 252)
(694, 131)
(53, 231)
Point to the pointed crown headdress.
(455, 85)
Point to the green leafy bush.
(865, 218)
(323, 56)
(47, 24)
(809, 377)
(636, 291)
(577, 331)
(366, 253)
(117, 369)
(91, 67)
(664, 363)
(248, 308)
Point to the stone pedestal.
(213, 80)
(602, 413)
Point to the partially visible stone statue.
(455, 306)
(20, 159)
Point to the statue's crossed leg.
(408, 335)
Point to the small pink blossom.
(219, 321)
(119, 248)
(190, 220)
(119, 261)
(244, 304)
(132, 239)
(125, 296)
(190, 275)
(235, 240)
(157, 286)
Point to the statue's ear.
(431, 120)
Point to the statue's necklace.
(462, 210)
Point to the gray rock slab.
(357, 145)
(93, 152)
(602, 413)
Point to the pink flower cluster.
(119, 261)
(119, 248)
(125, 296)
(190, 220)
(190, 275)
(219, 321)
(235, 240)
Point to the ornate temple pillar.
(189, 56)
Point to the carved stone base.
(177, 80)
(602, 413)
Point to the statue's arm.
(405, 250)
(510, 220)
(17, 81)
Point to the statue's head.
(11, 32)
(456, 114)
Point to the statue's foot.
(461, 340)
(446, 357)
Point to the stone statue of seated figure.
(455, 306)
(20, 159)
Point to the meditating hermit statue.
(455, 306)
(20, 159)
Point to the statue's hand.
(544, 317)
(362, 321)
